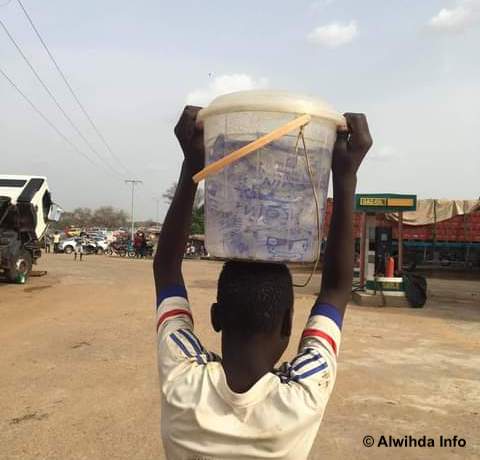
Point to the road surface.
(78, 375)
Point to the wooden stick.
(218, 165)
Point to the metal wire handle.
(317, 205)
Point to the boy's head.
(254, 299)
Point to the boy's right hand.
(351, 146)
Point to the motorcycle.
(120, 248)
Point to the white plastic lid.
(271, 101)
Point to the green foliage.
(198, 221)
(169, 193)
(105, 216)
(198, 212)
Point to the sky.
(413, 67)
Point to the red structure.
(464, 228)
(452, 243)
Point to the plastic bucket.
(268, 204)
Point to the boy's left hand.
(351, 146)
(190, 136)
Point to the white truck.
(26, 208)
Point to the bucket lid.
(271, 101)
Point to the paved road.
(78, 376)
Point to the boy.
(240, 407)
(79, 242)
(56, 242)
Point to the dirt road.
(78, 377)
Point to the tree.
(198, 212)
(107, 216)
(198, 221)
(146, 223)
(169, 193)
(82, 216)
(66, 220)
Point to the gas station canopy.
(385, 202)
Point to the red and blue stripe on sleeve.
(172, 303)
(324, 325)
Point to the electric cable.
(45, 118)
(71, 90)
(54, 99)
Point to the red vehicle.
(453, 243)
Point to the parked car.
(90, 246)
(102, 244)
(73, 231)
(67, 245)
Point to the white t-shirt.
(79, 247)
(278, 418)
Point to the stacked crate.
(463, 228)
(474, 226)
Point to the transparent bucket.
(262, 207)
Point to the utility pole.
(133, 182)
(157, 213)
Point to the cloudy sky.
(412, 66)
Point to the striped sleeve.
(178, 347)
(314, 368)
(323, 330)
(173, 310)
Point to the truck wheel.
(68, 249)
(21, 265)
(445, 262)
(100, 251)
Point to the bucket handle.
(274, 135)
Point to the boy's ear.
(216, 317)
(287, 323)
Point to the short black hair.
(253, 296)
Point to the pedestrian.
(48, 242)
(79, 249)
(56, 242)
(240, 406)
(143, 246)
(137, 244)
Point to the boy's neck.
(245, 362)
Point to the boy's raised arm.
(350, 149)
(167, 265)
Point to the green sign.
(390, 286)
(385, 202)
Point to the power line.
(72, 92)
(74, 95)
(54, 99)
(109, 169)
(39, 112)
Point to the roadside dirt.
(78, 375)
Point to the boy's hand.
(190, 136)
(351, 146)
